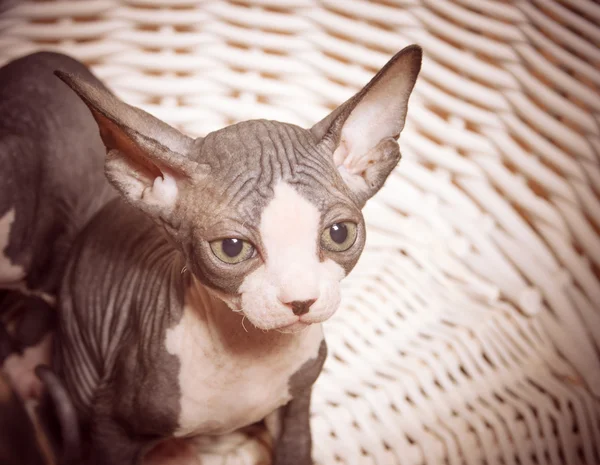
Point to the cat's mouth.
(296, 325)
(268, 314)
(292, 328)
(273, 316)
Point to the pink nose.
(300, 307)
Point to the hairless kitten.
(51, 184)
(192, 305)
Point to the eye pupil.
(338, 233)
(339, 237)
(232, 247)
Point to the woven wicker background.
(470, 331)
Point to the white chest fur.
(230, 377)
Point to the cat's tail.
(59, 410)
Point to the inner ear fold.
(114, 138)
(147, 158)
(361, 135)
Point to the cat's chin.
(296, 327)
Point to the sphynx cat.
(51, 184)
(193, 304)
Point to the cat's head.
(267, 214)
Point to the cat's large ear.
(147, 160)
(361, 134)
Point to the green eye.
(232, 250)
(339, 236)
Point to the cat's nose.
(300, 307)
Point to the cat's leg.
(174, 451)
(19, 187)
(112, 445)
(12, 269)
(291, 426)
(31, 323)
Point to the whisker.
(243, 318)
(184, 269)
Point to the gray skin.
(51, 178)
(127, 276)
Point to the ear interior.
(148, 159)
(382, 106)
(361, 133)
(114, 138)
(136, 133)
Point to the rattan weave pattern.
(470, 331)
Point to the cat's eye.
(232, 250)
(339, 236)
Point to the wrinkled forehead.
(255, 156)
(248, 160)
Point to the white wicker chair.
(470, 330)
